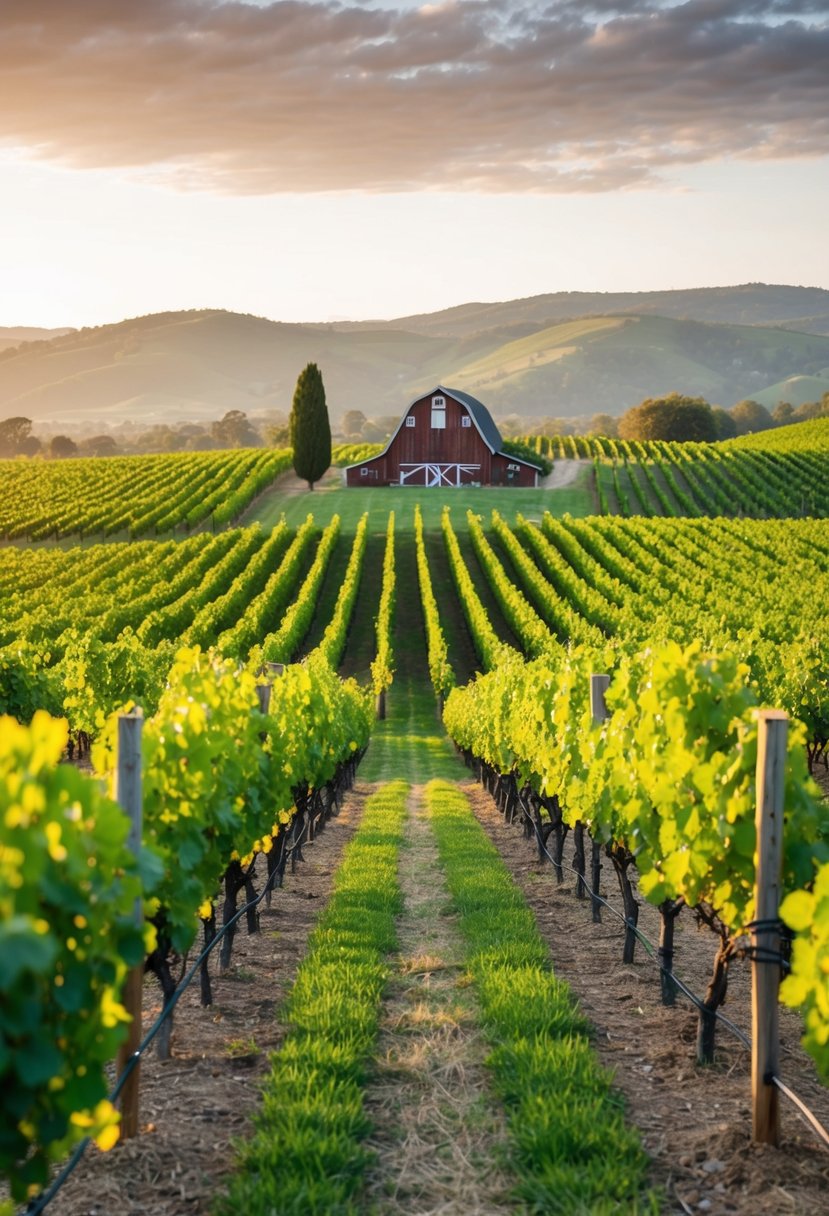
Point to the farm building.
(445, 438)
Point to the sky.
(329, 159)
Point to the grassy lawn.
(411, 744)
(350, 504)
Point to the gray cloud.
(328, 95)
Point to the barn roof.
(484, 422)
(480, 416)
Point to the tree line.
(681, 419)
(674, 417)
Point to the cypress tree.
(310, 430)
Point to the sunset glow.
(323, 160)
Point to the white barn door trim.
(439, 474)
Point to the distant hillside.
(607, 364)
(14, 335)
(795, 389)
(803, 308)
(197, 365)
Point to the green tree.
(234, 430)
(310, 429)
(603, 424)
(751, 416)
(782, 413)
(725, 424)
(61, 446)
(674, 417)
(353, 423)
(99, 445)
(13, 434)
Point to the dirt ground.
(194, 1105)
(564, 473)
(695, 1122)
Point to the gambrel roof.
(480, 416)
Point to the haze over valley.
(562, 354)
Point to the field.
(417, 789)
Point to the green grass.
(795, 389)
(571, 1148)
(306, 1156)
(350, 503)
(410, 743)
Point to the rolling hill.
(768, 304)
(13, 335)
(197, 365)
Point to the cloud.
(483, 95)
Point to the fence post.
(765, 936)
(598, 709)
(128, 796)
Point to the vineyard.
(775, 474)
(449, 722)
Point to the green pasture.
(350, 503)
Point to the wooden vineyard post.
(765, 936)
(128, 796)
(263, 693)
(598, 708)
(263, 689)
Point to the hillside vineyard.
(240, 642)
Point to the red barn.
(445, 438)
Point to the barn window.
(438, 403)
(364, 472)
(466, 420)
(410, 420)
(438, 418)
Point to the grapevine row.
(70, 884)
(440, 669)
(281, 644)
(490, 649)
(136, 494)
(336, 631)
(382, 666)
(667, 778)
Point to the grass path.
(361, 645)
(569, 1145)
(439, 1135)
(306, 1156)
(434, 1064)
(410, 744)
